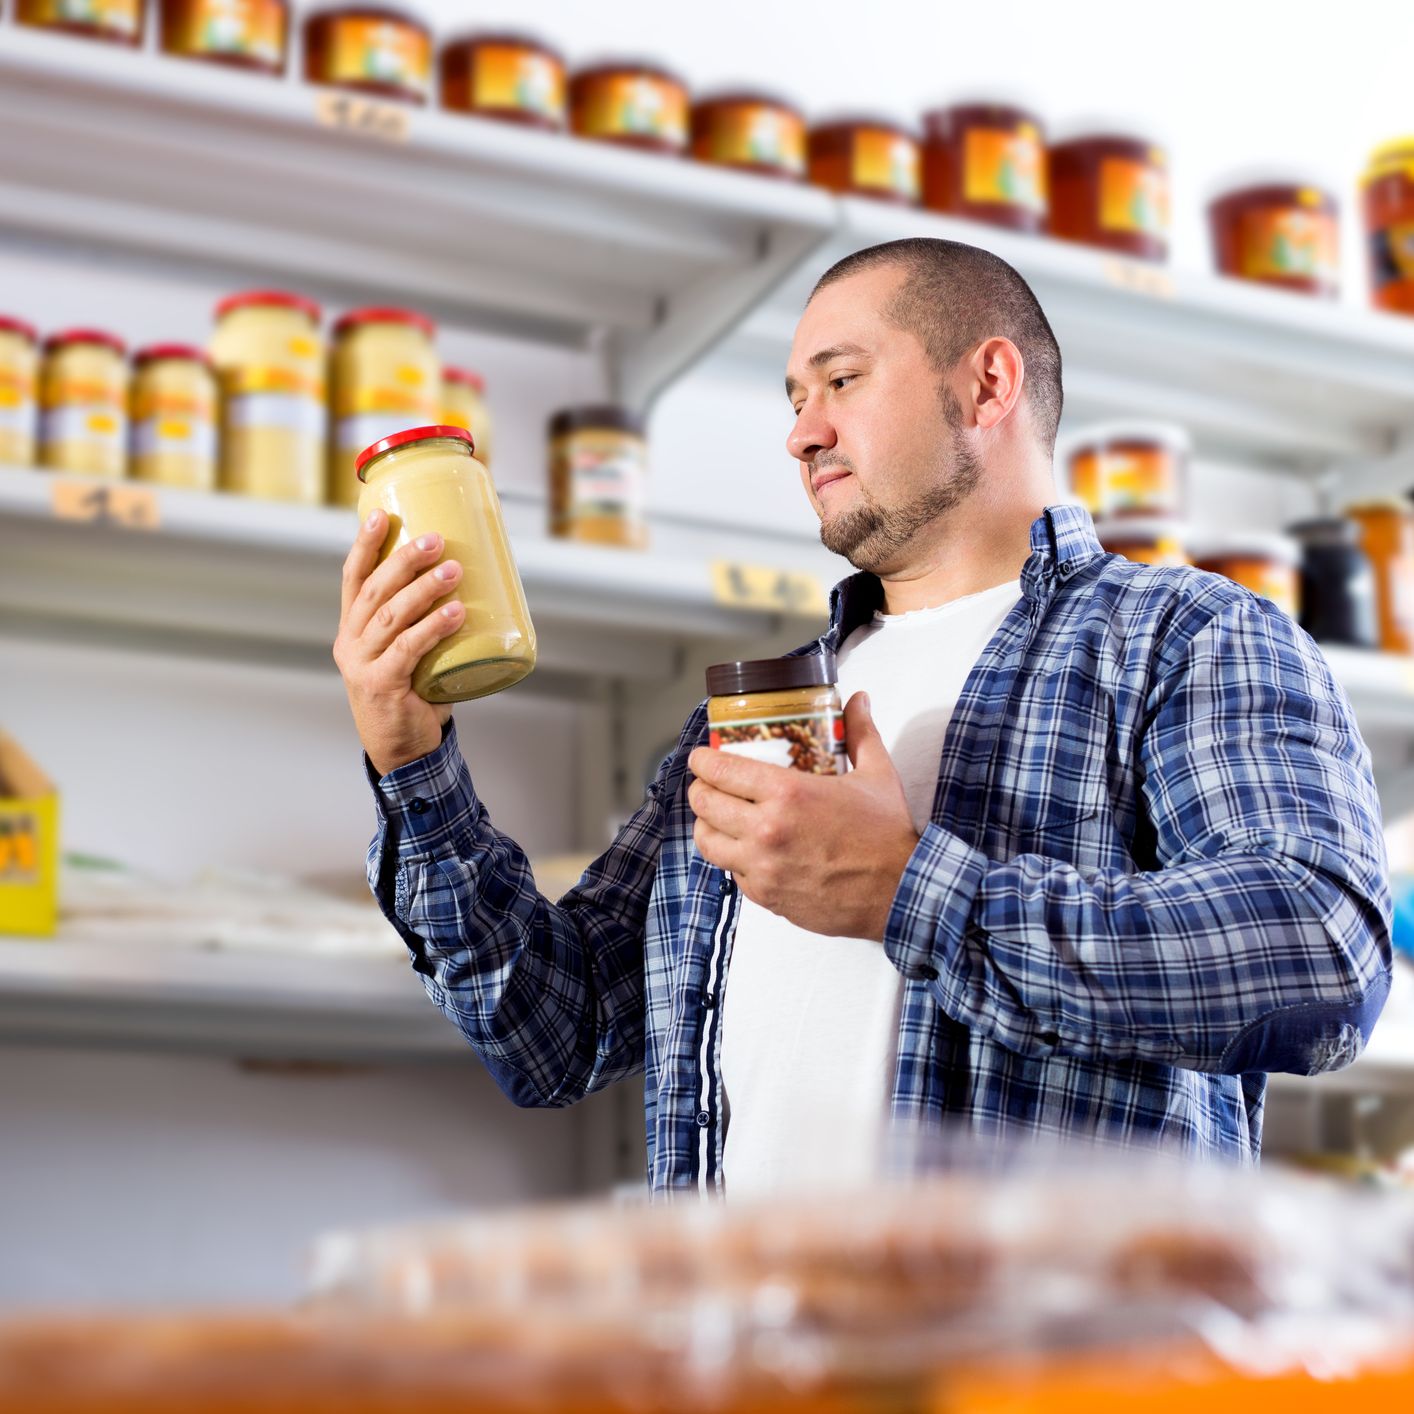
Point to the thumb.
(862, 740)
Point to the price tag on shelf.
(1141, 278)
(739, 586)
(131, 507)
(385, 121)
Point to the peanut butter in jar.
(783, 711)
(598, 476)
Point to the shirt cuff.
(428, 802)
(932, 905)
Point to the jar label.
(93, 424)
(1392, 255)
(17, 417)
(122, 17)
(754, 135)
(60, 393)
(1004, 167)
(1284, 241)
(284, 379)
(416, 404)
(250, 29)
(291, 412)
(1134, 197)
(813, 742)
(623, 105)
(609, 479)
(887, 162)
(505, 76)
(377, 51)
(16, 389)
(173, 435)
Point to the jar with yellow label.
(1387, 192)
(986, 161)
(866, 157)
(751, 131)
(599, 476)
(1146, 541)
(1130, 468)
(632, 103)
(244, 34)
(508, 76)
(384, 377)
(783, 711)
(19, 380)
(427, 479)
(1267, 564)
(464, 405)
(1110, 188)
(174, 417)
(1276, 229)
(83, 400)
(370, 49)
(116, 21)
(269, 362)
(1387, 538)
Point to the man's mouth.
(818, 483)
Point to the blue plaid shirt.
(1154, 873)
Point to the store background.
(184, 1173)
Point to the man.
(1110, 850)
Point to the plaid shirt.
(1154, 873)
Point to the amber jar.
(1267, 564)
(246, 34)
(632, 103)
(987, 162)
(508, 76)
(783, 711)
(1277, 232)
(83, 399)
(1147, 540)
(116, 21)
(174, 417)
(1387, 538)
(1387, 191)
(369, 49)
(1337, 583)
(750, 131)
(1130, 468)
(598, 476)
(1110, 188)
(464, 405)
(866, 157)
(19, 384)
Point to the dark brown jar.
(116, 21)
(987, 162)
(866, 157)
(1337, 583)
(1387, 191)
(1110, 188)
(750, 131)
(369, 49)
(512, 77)
(245, 34)
(782, 711)
(1277, 232)
(632, 103)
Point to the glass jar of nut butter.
(464, 405)
(174, 417)
(784, 711)
(83, 397)
(19, 382)
(599, 476)
(427, 479)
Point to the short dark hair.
(954, 297)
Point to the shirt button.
(725, 887)
(703, 1119)
(708, 1000)
(417, 805)
(1065, 567)
(1049, 1038)
(924, 973)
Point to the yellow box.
(29, 845)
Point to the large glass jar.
(783, 711)
(1130, 468)
(244, 34)
(1110, 188)
(512, 77)
(427, 479)
(866, 157)
(755, 132)
(599, 476)
(1387, 538)
(174, 417)
(370, 49)
(83, 398)
(986, 161)
(630, 102)
(1387, 190)
(1277, 230)
(1337, 583)
(19, 382)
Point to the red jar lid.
(379, 314)
(18, 326)
(468, 376)
(406, 437)
(279, 299)
(85, 336)
(153, 352)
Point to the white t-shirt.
(810, 1023)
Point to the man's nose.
(811, 435)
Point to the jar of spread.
(1110, 188)
(174, 417)
(384, 376)
(427, 479)
(637, 104)
(83, 400)
(1277, 230)
(1387, 191)
(19, 380)
(986, 161)
(750, 131)
(1267, 564)
(866, 157)
(246, 34)
(269, 362)
(1146, 540)
(1337, 583)
(1387, 538)
(1134, 468)
(370, 49)
(464, 405)
(117, 21)
(599, 476)
(784, 711)
(507, 76)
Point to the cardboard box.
(29, 845)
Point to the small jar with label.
(1130, 468)
(370, 49)
(83, 400)
(1109, 187)
(174, 417)
(19, 383)
(464, 405)
(508, 76)
(1337, 583)
(783, 711)
(986, 161)
(427, 479)
(1146, 540)
(1277, 230)
(115, 21)
(243, 34)
(1267, 564)
(1387, 538)
(599, 476)
(269, 362)
(1387, 194)
(866, 157)
(385, 376)
(636, 104)
(753, 132)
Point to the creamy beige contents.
(19, 374)
(598, 482)
(464, 406)
(174, 424)
(83, 396)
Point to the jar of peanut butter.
(1110, 188)
(1267, 564)
(1387, 538)
(174, 417)
(116, 21)
(598, 476)
(464, 405)
(243, 34)
(269, 362)
(1387, 191)
(19, 383)
(83, 400)
(866, 156)
(1130, 468)
(512, 77)
(630, 102)
(384, 376)
(370, 49)
(1147, 541)
(986, 161)
(783, 711)
(427, 479)
(753, 132)
(1276, 229)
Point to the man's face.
(878, 432)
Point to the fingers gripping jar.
(784, 711)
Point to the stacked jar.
(986, 160)
(83, 399)
(19, 383)
(174, 408)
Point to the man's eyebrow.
(824, 356)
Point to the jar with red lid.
(866, 157)
(245, 34)
(513, 77)
(370, 49)
(116, 21)
(1130, 469)
(19, 383)
(986, 161)
(174, 417)
(464, 405)
(83, 399)
(1276, 230)
(1109, 187)
(751, 131)
(630, 102)
(1387, 192)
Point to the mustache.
(830, 460)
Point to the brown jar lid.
(643, 68)
(385, 13)
(941, 122)
(853, 122)
(745, 97)
(604, 416)
(1326, 530)
(771, 674)
(510, 39)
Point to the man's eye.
(843, 378)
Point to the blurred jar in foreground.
(599, 476)
(784, 711)
(1387, 538)
(1146, 540)
(427, 479)
(866, 156)
(83, 399)
(464, 405)
(1135, 468)
(1267, 564)
(370, 49)
(384, 376)
(986, 161)
(174, 417)
(1387, 189)
(1278, 231)
(508, 76)
(630, 102)
(269, 362)
(750, 131)
(1109, 187)
(1337, 583)
(245, 34)
(19, 381)
(117, 21)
